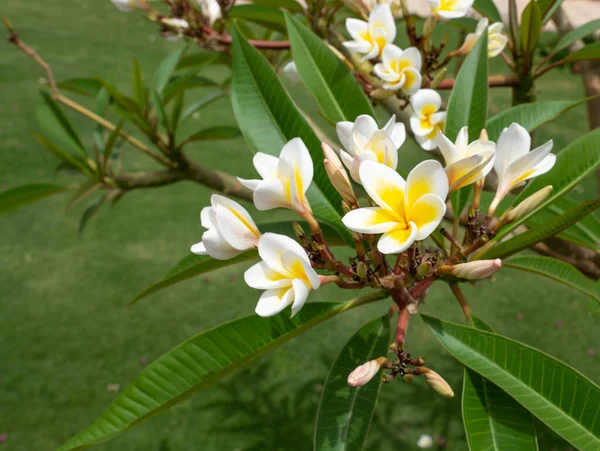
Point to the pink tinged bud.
(478, 269)
(364, 373)
(337, 175)
(438, 383)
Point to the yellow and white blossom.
(285, 273)
(210, 9)
(285, 179)
(515, 163)
(407, 211)
(231, 230)
(370, 38)
(364, 141)
(426, 120)
(496, 40)
(400, 69)
(450, 9)
(466, 163)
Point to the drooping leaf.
(269, 119)
(85, 86)
(531, 28)
(332, 83)
(200, 104)
(74, 161)
(199, 362)
(91, 211)
(573, 164)
(345, 412)
(267, 16)
(589, 52)
(488, 9)
(492, 419)
(139, 89)
(556, 270)
(561, 397)
(213, 133)
(540, 233)
(55, 123)
(577, 34)
(15, 198)
(529, 115)
(166, 69)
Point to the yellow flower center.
(426, 114)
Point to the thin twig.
(461, 300)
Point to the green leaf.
(589, 52)
(540, 233)
(182, 82)
(85, 86)
(573, 164)
(269, 119)
(268, 16)
(492, 419)
(91, 211)
(74, 161)
(102, 101)
(345, 412)
(556, 270)
(201, 58)
(547, 8)
(18, 197)
(290, 5)
(54, 121)
(200, 104)
(199, 362)
(531, 28)
(488, 9)
(110, 143)
(333, 85)
(139, 89)
(577, 34)
(468, 101)
(176, 111)
(558, 395)
(166, 69)
(214, 133)
(529, 115)
(513, 19)
(159, 109)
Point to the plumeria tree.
(482, 196)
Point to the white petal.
(301, 291)
(346, 159)
(357, 28)
(369, 220)
(424, 98)
(397, 240)
(427, 177)
(426, 142)
(385, 186)
(270, 194)
(525, 167)
(365, 125)
(274, 301)
(358, 160)
(496, 28)
(481, 26)
(462, 140)
(513, 143)
(237, 231)
(426, 214)
(207, 217)
(381, 18)
(262, 277)
(344, 132)
(271, 246)
(398, 134)
(199, 249)
(438, 117)
(449, 151)
(242, 214)
(217, 247)
(418, 128)
(300, 268)
(413, 55)
(266, 165)
(359, 47)
(250, 184)
(466, 171)
(390, 53)
(412, 81)
(480, 147)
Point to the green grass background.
(65, 330)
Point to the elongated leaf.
(540, 233)
(513, 22)
(290, 5)
(139, 89)
(556, 270)
(558, 395)
(531, 28)
(573, 164)
(55, 123)
(577, 34)
(165, 70)
(589, 52)
(85, 86)
(91, 211)
(110, 143)
(18, 197)
(201, 58)
(269, 119)
(267, 16)
(488, 9)
(74, 161)
(213, 133)
(345, 412)
(547, 8)
(200, 104)
(199, 362)
(492, 419)
(182, 82)
(333, 85)
(529, 115)
(102, 101)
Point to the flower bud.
(176, 23)
(430, 24)
(362, 270)
(408, 378)
(475, 270)
(338, 176)
(438, 383)
(364, 373)
(529, 204)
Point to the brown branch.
(494, 81)
(226, 39)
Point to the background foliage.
(66, 332)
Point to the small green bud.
(408, 378)
(423, 270)
(439, 77)
(298, 229)
(361, 270)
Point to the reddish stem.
(226, 39)
(403, 318)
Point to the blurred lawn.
(65, 332)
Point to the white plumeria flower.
(291, 72)
(450, 9)
(231, 230)
(210, 9)
(285, 179)
(408, 211)
(515, 163)
(496, 40)
(425, 441)
(426, 120)
(466, 163)
(371, 37)
(363, 141)
(284, 272)
(400, 69)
